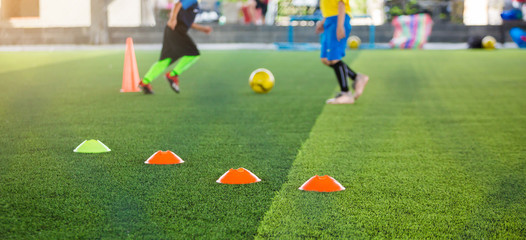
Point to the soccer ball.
(261, 80)
(489, 42)
(354, 42)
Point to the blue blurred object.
(512, 14)
(518, 35)
(291, 46)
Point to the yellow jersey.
(329, 8)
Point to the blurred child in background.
(177, 45)
(335, 29)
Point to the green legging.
(157, 68)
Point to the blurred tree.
(358, 7)
(401, 7)
(443, 10)
(457, 11)
(289, 7)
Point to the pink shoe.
(361, 81)
(342, 98)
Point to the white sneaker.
(361, 81)
(342, 98)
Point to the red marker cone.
(130, 73)
(167, 157)
(322, 184)
(238, 176)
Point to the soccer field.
(434, 148)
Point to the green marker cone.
(92, 146)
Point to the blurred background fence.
(238, 21)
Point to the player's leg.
(185, 52)
(182, 65)
(351, 74)
(341, 71)
(341, 74)
(361, 81)
(164, 61)
(155, 70)
(335, 53)
(339, 67)
(328, 57)
(345, 96)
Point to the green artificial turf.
(215, 124)
(435, 148)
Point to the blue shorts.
(331, 48)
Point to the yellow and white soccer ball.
(489, 42)
(261, 80)
(354, 42)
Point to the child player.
(177, 45)
(335, 29)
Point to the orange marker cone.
(167, 157)
(130, 74)
(322, 184)
(238, 176)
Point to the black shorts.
(263, 7)
(177, 43)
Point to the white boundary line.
(157, 47)
(209, 46)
